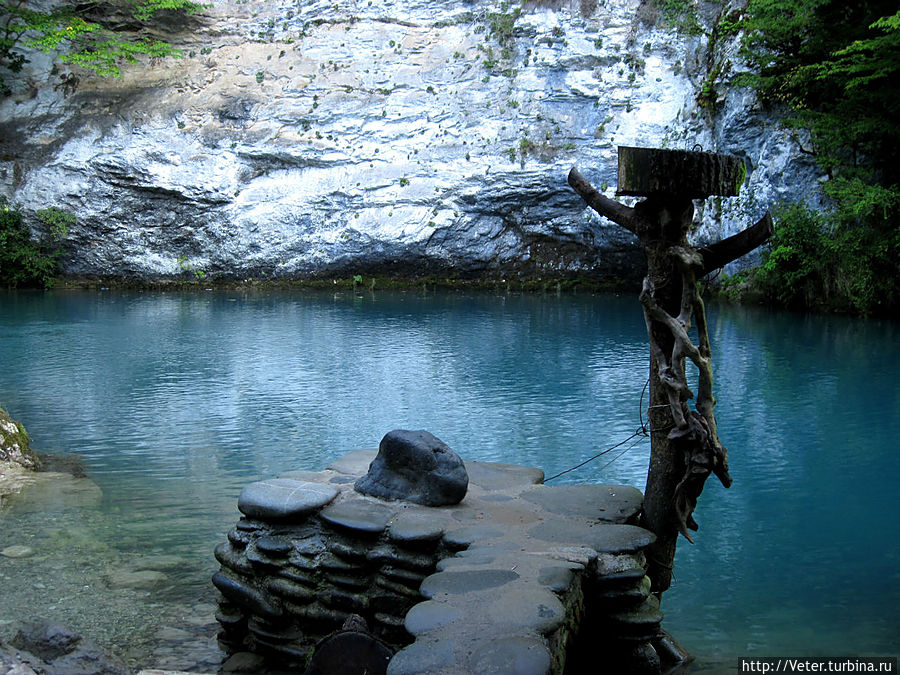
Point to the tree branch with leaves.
(81, 36)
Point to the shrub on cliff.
(832, 68)
(25, 261)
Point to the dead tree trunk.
(685, 446)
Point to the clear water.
(178, 400)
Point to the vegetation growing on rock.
(99, 36)
(14, 443)
(831, 67)
(24, 260)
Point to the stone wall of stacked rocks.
(519, 577)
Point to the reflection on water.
(178, 400)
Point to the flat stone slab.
(363, 517)
(613, 503)
(455, 583)
(497, 476)
(355, 463)
(430, 615)
(283, 498)
(417, 526)
(601, 537)
(522, 655)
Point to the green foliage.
(792, 271)
(680, 14)
(84, 34)
(832, 67)
(25, 261)
(813, 261)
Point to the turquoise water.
(177, 400)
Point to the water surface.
(178, 400)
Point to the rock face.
(14, 444)
(417, 467)
(335, 138)
(51, 648)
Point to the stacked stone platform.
(519, 577)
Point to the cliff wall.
(366, 136)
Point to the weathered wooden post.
(685, 446)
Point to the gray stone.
(465, 581)
(283, 498)
(291, 590)
(414, 527)
(519, 655)
(58, 650)
(359, 516)
(246, 596)
(274, 546)
(430, 615)
(260, 559)
(602, 537)
(465, 536)
(415, 466)
(400, 575)
(532, 608)
(47, 641)
(484, 557)
(613, 503)
(557, 578)
(498, 476)
(427, 656)
(135, 578)
(355, 462)
(17, 551)
(392, 555)
(244, 662)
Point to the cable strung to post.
(641, 431)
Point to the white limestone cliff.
(366, 136)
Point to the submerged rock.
(417, 467)
(17, 551)
(52, 648)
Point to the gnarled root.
(695, 435)
(702, 456)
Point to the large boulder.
(415, 466)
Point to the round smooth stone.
(284, 498)
(524, 655)
(466, 581)
(17, 551)
(430, 615)
(362, 517)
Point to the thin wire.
(642, 431)
(603, 468)
(599, 454)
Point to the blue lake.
(177, 400)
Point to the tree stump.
(695, 175)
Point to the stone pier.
(518, 577)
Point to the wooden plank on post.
(697, 175)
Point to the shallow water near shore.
(178, 400)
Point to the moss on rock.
(14, 443)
